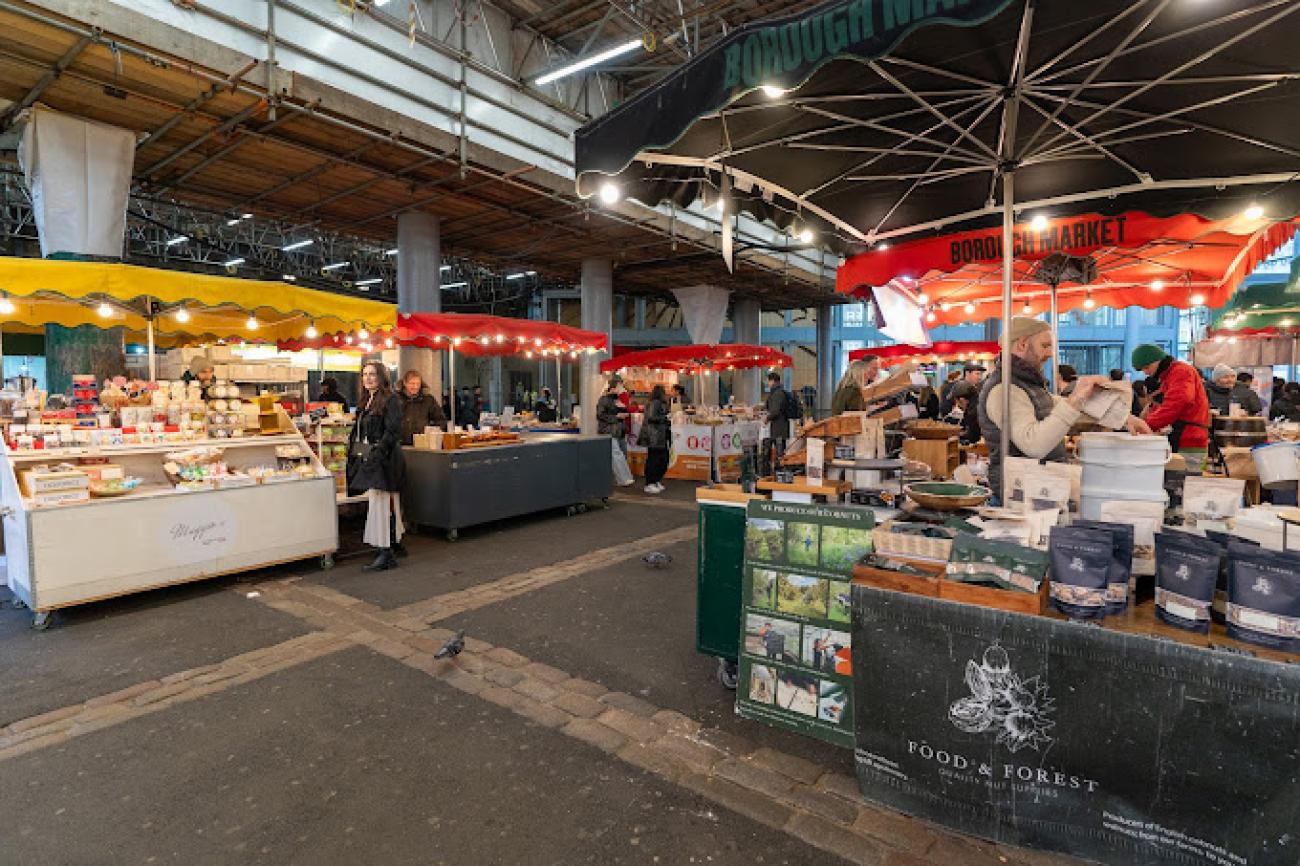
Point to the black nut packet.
(1187, 572)
(1081, 560)
(1121, 571)
(1264, 597)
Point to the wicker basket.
(890, 543)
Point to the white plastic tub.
(1122, 449)
(1123, 480)
(1091, 501)
(1277, 463)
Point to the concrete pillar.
(746, 319)
(496, 392)
(419, 288)
(825, 361)
(597, 315)
(1132, 338)
(639, 321)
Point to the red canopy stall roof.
(1142, 260)
(362, 341)
(700, 358)
(475, 334)
(944, 350)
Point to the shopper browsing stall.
(375, 465)
(1180, 403)
(329, 393)
(848, 394)
(1227, 386)
(201, 371)
(1039, 421)
(611, 416)
(655, 437)
(972, 374)
(545, 407)
(778, 422)
(419, 408)
(964, 412)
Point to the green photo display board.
(795, 651)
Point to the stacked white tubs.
(1117, 466)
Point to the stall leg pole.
(1056, 343)
(451, 377)
(559, 376)
(153, 362)
(1008, 274)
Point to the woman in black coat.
(375, 465)
(655, 436)
(419, 409)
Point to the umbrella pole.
(1008, 263)
(1056, 342)
(153, 362)
(559, 391)
(451, 377)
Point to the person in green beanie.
(1180, 405)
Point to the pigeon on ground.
(453, 646)
(657, 559)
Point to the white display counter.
(158, 535)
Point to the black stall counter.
(1121, 747)
(450, 490)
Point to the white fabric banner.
(79, 175)
(705, 310)
(902, 314)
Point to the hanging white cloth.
(381, 505)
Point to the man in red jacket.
(1182, 407)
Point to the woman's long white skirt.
(381, 505)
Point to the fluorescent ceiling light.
(773, 92)
(521, 276)
(391, 252)
(335, 266)
(297, 245)
(609, 54)
(370, 282)
(179, 239)
(455, 285)
(445, 268)
(234, 263)
(289, 278)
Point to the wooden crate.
(1002, 599)
(912, 584)
(943, 456)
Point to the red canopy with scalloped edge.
(699, 358)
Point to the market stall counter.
(452, 489)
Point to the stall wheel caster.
(570, 511)
(41, 620)
(452, 535)
(327, 562)
(18, 604)
(728, 673)
(582, 507)
(604, 503)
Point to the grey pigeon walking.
(656, 559)
(453, 646)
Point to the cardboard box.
(104, 472)
(38, 482)
(61, 497)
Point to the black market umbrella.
(858, 123)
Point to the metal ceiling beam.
(221, 154)
(51, 76)
(229, 83)
(221, 129)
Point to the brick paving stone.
(578, 705)
(902, 858)
(834, 838)
(630, 703)
(630, 725)
(425, 663)
(734, 745)
(410, 623)
(386, 646)
(653, 760)
(825, 805)
(32, 722)
(895, 830)
(677, 723)
(753, 776)
(181, 676)
(424, 643)
(510, 658)
(161, 693)
(126, 693)
(441, 635)
(840, 785)
(473, 664)
(743, 801)
(593, 732)
(584, 687)
(502, 697)
(700, 757)
(506, 677)
(536, 689)
(947, 848)
(542, 714)
(788, 765)
(33, 744)
(545, 673)
(225, 672)
(464, 682)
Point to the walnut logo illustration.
(1017, 711)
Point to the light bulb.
(945, 307)
(610, 193)
(1038, 223)
(772, 92)
(348, 339)
(1254, 212)
(1026, 309)
(363, 334)
(6, 306)
(1197, 300)
(1088, 302)
(388, 341)
(1157, 285)
(182, 315)
(311, 332)
(252, 323)
(970, 309)
(806, 236)
(923, 298)
(104, 311)
(930, 316)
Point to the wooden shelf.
(250, 441)
(831, 488)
